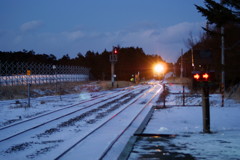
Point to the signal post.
(203, 80)
(206, 108)
(113, 59)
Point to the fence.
(14, 73)
(180, 95)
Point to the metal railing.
(181, 96)
(15, 73)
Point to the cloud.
(75, 35)
(166, 42)
(32, 25)
(180, 31)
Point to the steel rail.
(118, 137)
(62, 116)
(100, 126)
(42, 115)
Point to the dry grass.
(179, 80)
(15, 92)
(106, 85)
(186, 81)
(236, 94)
(19, 92)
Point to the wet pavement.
(156, 147)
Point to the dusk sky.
(62, 27)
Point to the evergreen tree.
(221, 13)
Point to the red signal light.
(196, 76)
(205, 76)
(115, 50)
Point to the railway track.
(74, 151)
(38, 121)
(40, 139)
(63, 108)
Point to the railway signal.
(113, 57)
(196, 76)
(203, 79)
(115, 50)
(201, 76)
(205, 76)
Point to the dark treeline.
(213, 44)
(226, 15)
(131, 60)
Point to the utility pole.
(181, 64)
(222, 63)
(193, 65)
(29, 85)
(223, 66)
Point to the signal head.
(205, 76)
(115, 50)
(196, 76)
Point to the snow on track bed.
(15, 129)
(97, 146)
(50, 140)
(12, 112)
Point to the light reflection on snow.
(162, 129)
(85, 96)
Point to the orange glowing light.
(205, 76)
(159, 68)
(196, 76)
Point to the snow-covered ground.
(186, 123)
(50, 139)
(12, 111)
